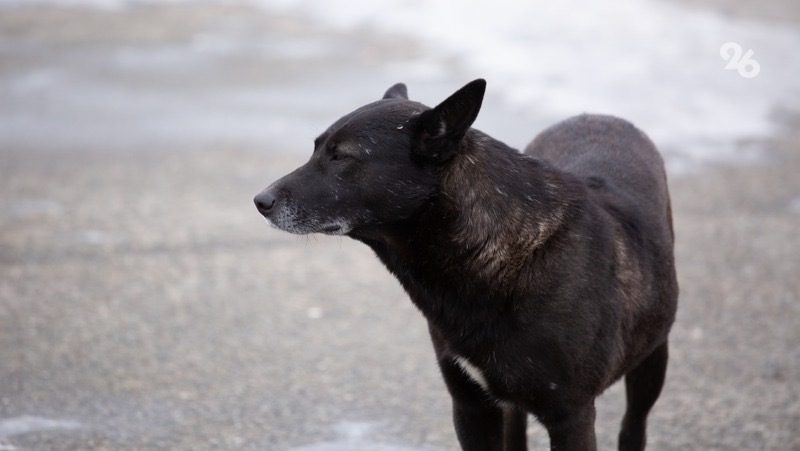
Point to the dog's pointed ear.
(440, 130)
(397, 91)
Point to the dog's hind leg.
(642, 387)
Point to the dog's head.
(373, 167)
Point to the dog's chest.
(472, 371)
(478, 376)
(498, 389)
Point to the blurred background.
(145, 304)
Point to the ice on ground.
(653, 62)
(25, 424)
(354, 436)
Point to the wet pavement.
(144, 304)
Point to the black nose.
(264, 202)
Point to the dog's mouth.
(293, 219)
(336, 227)
(300, 229)
(331, 228)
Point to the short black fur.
(545, 276)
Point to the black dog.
(544, 276)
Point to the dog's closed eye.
(337, 152)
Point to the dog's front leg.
(478, 419)
(572, 430)
(480, 423)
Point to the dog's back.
(614, 157)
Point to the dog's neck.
(496, 208)
(504, 205)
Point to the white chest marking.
(472, 371)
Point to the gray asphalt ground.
(144, 304)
